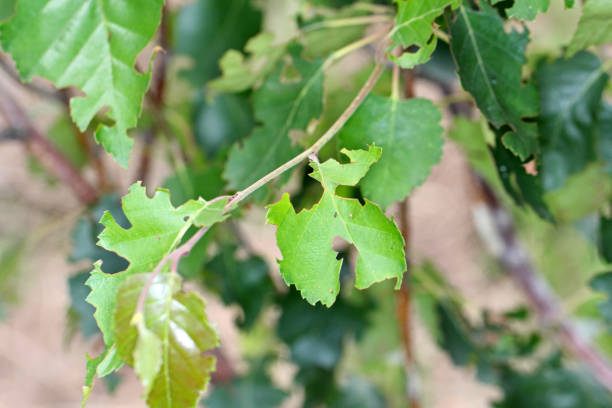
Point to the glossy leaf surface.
(167, 343)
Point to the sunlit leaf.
(93, 45)
(309, 262)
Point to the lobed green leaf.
(93, 45)
(309, 262)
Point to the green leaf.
(524, 188)
(569, 3)
(604, 147)
(240, 73)
(490, 63)
(603, 283)
(85, 233)
(90, 376)
(7, 9)
(166, 344)
(605, 232)
(245, 282)
(93, 45)
(474, 136)
(528, 9)
(147, 356)
(309, 262)
(220, 123)
(570, 92)
(206, 29)
(282, 106)
(414, 27)
(156, 229)
(254, 390)
(63, 136)
(595, 26)
(410, 134)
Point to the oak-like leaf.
(93, 45)
(305, 239)
(414, 28)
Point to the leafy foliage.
(240, 73)
(245, 282)
(528, 9)
(489, 65)
(411, 137)
(571, 93)
(91, 45)
(210, 22)
(282, 106)
(166, 343)
(594, 26)
(414, 27)
(249, 391)
(263, 83)
(310, 263)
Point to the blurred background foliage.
(349, 355)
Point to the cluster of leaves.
(498, 345)
(259, 95)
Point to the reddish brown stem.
(52, 159)
(404, 296)
(156, 97)
(515, 260)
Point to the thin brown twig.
(30, 86)
(156, 96)
(63, 96)
(404, 295)
(51, 158)
(327, 136)
(515, 260)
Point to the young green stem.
(327, 136)
(347, 22)
(174, 257)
